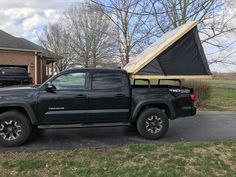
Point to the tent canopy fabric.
(178, 54)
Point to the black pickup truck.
(91, 98)
(14, 76)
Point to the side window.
(106, 81)
(70, 81)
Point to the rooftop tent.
(178, 54)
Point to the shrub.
(202, 90)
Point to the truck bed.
(177, 97)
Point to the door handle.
(119, 95)
(80, 96)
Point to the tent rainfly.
(178, 54)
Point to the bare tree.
(132, 32)
(56, 39)
(90, 35)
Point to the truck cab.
(85, 96)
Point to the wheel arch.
(161, 104)
(20, 107)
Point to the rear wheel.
(15, 128)
(152, 123)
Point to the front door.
(67, 103)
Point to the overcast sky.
(26, 18)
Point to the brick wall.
(38, 70)
(44, 70)
(41, 69)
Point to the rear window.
(106, 81)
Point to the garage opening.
(14, 75)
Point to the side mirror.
(50, 87)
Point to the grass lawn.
(221, 99)
(222, 83)
(168, 160)
(223, 96)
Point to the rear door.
(109, 98)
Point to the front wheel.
(15, 128)
(152, 123)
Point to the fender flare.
(23, 105)
(142, 104)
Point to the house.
(19, 52)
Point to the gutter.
(24, 50)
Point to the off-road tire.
(21, 128)
(154, 130)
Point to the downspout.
(41, 68)
(35, 68)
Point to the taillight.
(193, 96)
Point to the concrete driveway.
(205, 126)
